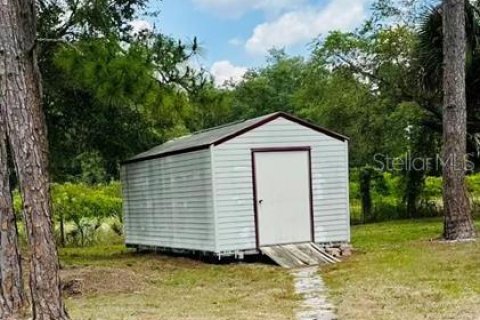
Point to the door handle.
(260, 201)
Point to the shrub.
(81, 209)
(387, 198)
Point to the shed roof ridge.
(217, 135)
(228, 124)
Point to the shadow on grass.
(119, 254)
(205, 258)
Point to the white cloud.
(237, 8)
(236, 42)
(224, 70)
(141, 25)
(301, 25)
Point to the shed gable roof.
(215, 136)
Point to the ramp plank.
(322, 251)
(288, 255)
(298, 255)
(314, 254)
(279, 256)
(317, 254)
(301, 254)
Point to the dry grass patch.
(104, 280)
(397, 272)
(117, 284)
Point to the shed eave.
(167, 154)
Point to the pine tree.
(22, 97)
(458, 223)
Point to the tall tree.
(109, 91)
(12, 297)
(458, 223)
(269, 89)
(22, 96)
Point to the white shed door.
(283, 197)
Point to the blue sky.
(236, 34)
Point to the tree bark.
(22, 96)
(11, 277)
(458, 223)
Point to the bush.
(387, 198)
(80, 210)
(83, 213)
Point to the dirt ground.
(107, 283)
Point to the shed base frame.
(236, 254)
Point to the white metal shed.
(229, 190)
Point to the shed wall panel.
(168, 202)
(234, 192)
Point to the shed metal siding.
(233, 183)
(168, 202)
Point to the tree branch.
(62, 31)
(359, 70)
(62, 41)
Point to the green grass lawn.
(398, 272)
(117, 284)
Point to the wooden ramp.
(298, 255)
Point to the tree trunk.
(414, 181)
(12, 295)
(458, 223)
(63, 241)
(21, 89)
(365, 193)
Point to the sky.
(236, 34)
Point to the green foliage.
(89, 18)
(85, 208)
(112, 75)
(340, 102)
(433, 188)
(92, 167)
(83, 214)
(473, 184)
(93, 213)
(380, 198)
(269, 89)
(114, 102)
(210, 107)
(387, 197)
(110, 93)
